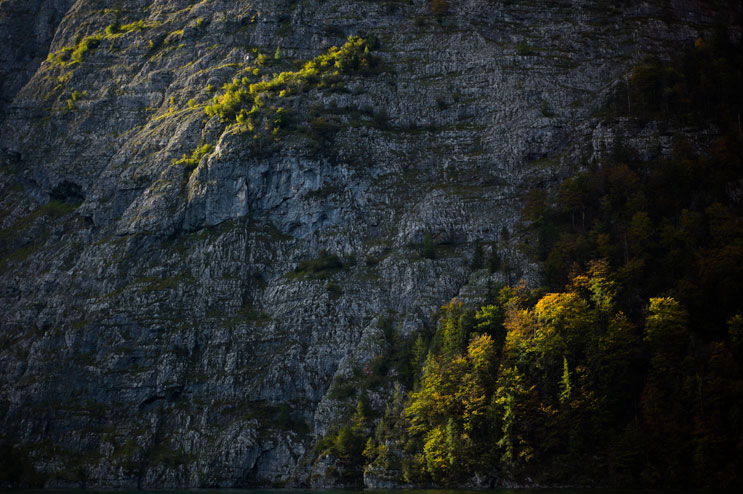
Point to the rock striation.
(159, 327)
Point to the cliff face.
(173, 321)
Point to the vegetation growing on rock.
(628, 357)
(257, 103)
(166, 326)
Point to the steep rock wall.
(155, 330)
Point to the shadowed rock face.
(27, 28)
(154, 324)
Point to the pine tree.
(359, 419)
(477, 256)
(427, 249)
(370, 450)
(565, 383)
(494, 262)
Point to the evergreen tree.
(565, 387)
(477, 256)
(427, 249)
(494, 261)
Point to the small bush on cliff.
(69, 54)
(190, 163)
(324, 266)
(440, 7)
(242, 93)
(427, 247)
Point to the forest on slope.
(625, 368)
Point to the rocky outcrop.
(158, 327)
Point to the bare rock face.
(160, 328)
(27, 28)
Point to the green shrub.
(494, 261)
(88, 44)
(334, 290)
(252, 104)
(342, 390)
(477, 256)
(322, 128)
(242, 93)
(324, 266)
(440, 7)
(76, 54)
(427, 248)
(69, 54)
(381, 121)
(191, 162)
(524, 49)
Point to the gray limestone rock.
(157, 327)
